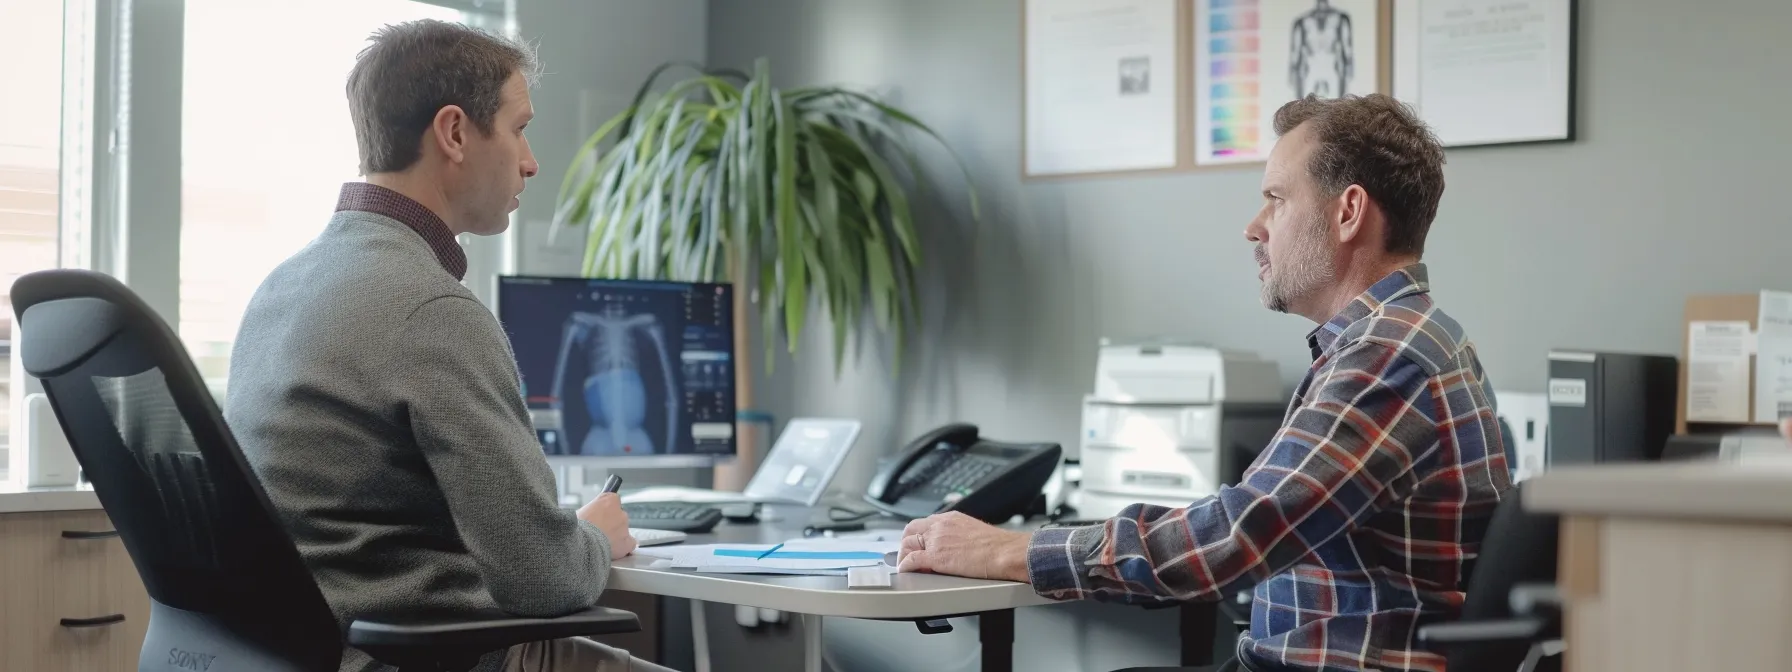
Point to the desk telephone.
(952, 469)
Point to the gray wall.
(1674, 188)
(595, 53)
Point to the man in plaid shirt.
(1359, 522)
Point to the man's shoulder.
(347, 286)
(1414, 328)
(361, 257)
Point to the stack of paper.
(802, 556)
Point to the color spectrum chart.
(1229, 120)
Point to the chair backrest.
(228, 586)
(1520, 547)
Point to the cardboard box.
(1718, 317)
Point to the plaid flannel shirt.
(1356, 525)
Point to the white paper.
(1717, 371)
(691, 555)
(1251, 56)
(1101, 85)
(703, 558)
(1773, 361)
(866, 535)
(1485, 71)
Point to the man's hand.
(1786, 429)
(957, 544)
(606, 513)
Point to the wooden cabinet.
(70, 599)
(1671, 567)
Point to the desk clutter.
(809, 557)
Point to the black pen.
(613, 484)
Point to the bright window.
(31, 146)
(266, 144)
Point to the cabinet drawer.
(70, 598)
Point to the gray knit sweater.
(379, 403)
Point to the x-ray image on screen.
(613, 368)
(615, 383)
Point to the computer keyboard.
(646, 537)
(675, 516)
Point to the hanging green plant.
(803, 193)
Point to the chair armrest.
(1536, 599)
(399, 641)
(1537, 609)
(1482, 632)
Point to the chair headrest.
(60, 334)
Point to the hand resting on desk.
(1786, 429)
(959, 545)
(606, 513)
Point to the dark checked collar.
(371, 198)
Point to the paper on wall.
(1101, 85)
(1773, 361)
(1717, 371)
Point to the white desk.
(914, 597)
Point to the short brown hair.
(413, 70)
(1379, 143)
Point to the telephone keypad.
(959, 474)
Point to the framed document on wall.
(1488, 72)
(1103, 86)
(1252, 56)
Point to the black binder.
(1610, 407)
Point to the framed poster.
(1488, 72)
(1251, 56)
(1103, 86)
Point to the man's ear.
(450, 127)
(1353, 213)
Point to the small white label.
(1567, 392)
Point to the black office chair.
(1511, 605)
(226, 583)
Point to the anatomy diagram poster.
(1251, 56)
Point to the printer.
(1170, 422)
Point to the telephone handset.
(953, 469)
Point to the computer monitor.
(632, 373)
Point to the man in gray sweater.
(379, 401)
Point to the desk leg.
(1195, 624)
(995, 629)
(812, 643)
(699, 636)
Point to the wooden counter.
(1673, 567)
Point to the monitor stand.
(570, 481)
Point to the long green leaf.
(790, 230)
(904, 117)
(802, 195)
